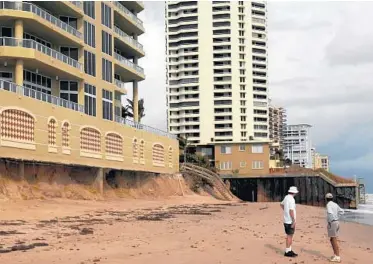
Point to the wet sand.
(189, 229)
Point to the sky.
(320, 69)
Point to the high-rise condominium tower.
(217, 71)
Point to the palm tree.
(127, 111)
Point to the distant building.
(320, 162)
(297, 145)
(277, 123)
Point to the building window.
(258, 165)
(37, 39)
(89, 63)
(71, 21)
(107, 72)
(90, 99)
(65, 135)
(37, 82)
(90, 139)
(158, 155)
(257, 149)
(225, 150)
(114, 144)
(107, 43)
(70, 52)
(107, 104)
(89, 8)
(105, 15)
(243, 164)
(242, 147)
(69, 90)
(226, 165)
(52, 124)
(89, 34)
(17, 125)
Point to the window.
(37, 39)
(107, 104)
(89, 63)
(243, 164)
(107, 72)
(90, 99)
(70, 52)
(258, 165)
(257, 149)
(89, 34)
(69, 90)
(226, 165)
(7, 32)
(37, 82)
(225, 150)
(89, 8)
(8, 76)
(105, 15)
(71, 21)
(107, 43)
(242, 147)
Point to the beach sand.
(192, 229)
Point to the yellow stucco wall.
(41, 150)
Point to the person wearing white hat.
(290, 215)
(333, 214)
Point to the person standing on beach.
(333, 214)
(290, 215)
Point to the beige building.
(320, 161)
(64, 67)
(277, 124)
(217, 71)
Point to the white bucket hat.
(329, 196)
(293, 189)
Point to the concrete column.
(18, 29)
(19, 72)
(21, 170)
(99, 181)
(135, 101)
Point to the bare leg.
(289, 241)
(334, 242)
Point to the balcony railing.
(27, 7)
(136, 125)
(120, 84)
(128, 63)
(32, 44)
(28, 92)
(124, 10)
(128, 39)
(78, 4)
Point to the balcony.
(38, 17)
(128, 70)
(47, 98)
(132, 24)
(121, 85)
(128, 44)
(65, 8)
(38, 56)
(138, 6)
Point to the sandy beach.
(192, 229)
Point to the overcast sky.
(320, 70)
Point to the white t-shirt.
(289, 204)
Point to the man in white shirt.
(333, 214)
(290, 215)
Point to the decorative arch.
(135, 150)
(114, 143)
(52, 131)
(90, 139)
(17, 125)
(66, 127)
(158, 155)
(142, 152)
(170, 156)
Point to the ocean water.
(364, 213)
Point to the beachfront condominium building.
(297, 145)
(64, 66)
(277, 123)
(217, 71)
(320, 161)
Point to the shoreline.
(191, 229)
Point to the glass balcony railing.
(28, 7)
(32, 44)
(125, 11)
(28, 92)
(136, 125)
(128, 39)
(128, 63)
(120, 84)
(78, 4)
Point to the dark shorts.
(288, 229)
